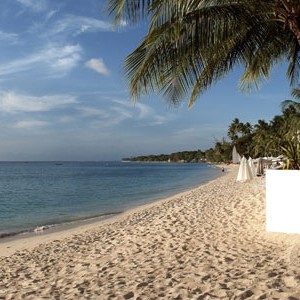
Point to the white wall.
(283, 201)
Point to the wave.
(47, 227)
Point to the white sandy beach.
(208, 243)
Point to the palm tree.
(241, 136)
(192, 44)
(246, 128)
(289, 135)
(233, 130)
(222, 151)
(261, 138)
(291, 103)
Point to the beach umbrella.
(251, 165)
(245, 172)
(260, 167)
(236, 158)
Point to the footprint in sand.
(294, 257)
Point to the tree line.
(183, 156)
(279, 136)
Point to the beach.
(207, 243)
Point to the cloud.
(122, 113)
(63, 59)
(109, 117)
(146, 113)
(145, 110)
(97, 65)
(56, 60)
(35, 5)
(162, 119)
(9, 37)
(93, 112)
(122, 23)
(66, 119)
(30, 124)
(116, 117)
(77, 25)
(51, 13)
(11, 102)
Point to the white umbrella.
(236, 158)
(245, 172)
(251, 165)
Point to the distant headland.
(179, 157)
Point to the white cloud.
(30, 124)
(35, 5)
(51, 13)
(67, 119)
(77, 24)
(162, 119)
(56, 60)
(60, 59)
(147, 113)
(123, 23)
(98, 66)
(93, 112)
(9, 37)
(122, 113)
(145, 110)
(117, 116)
(12, 102)
(100, 118)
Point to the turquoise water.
(39, 194)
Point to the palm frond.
(192, 44)
(130, 11)
(296, 93)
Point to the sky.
(63, 95)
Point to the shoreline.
(54, 228)
(30, 239)
(57, 223)
(205, 243)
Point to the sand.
(207, 243)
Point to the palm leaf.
(192, 44)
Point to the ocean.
(35, 196)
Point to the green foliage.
(292, 151)
(241, 135)
(192, 44)
(184, 156)
(279, 136)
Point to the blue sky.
(63, 96)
